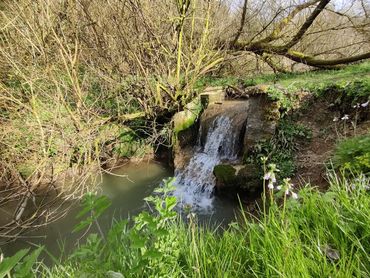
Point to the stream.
(127, 196)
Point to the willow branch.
(242, 23)
(324, 63)
(307, 24)
(283, 23)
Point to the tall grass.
(317, 235)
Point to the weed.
(353, 155)
(309, 234)
(281, 147)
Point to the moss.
(272, 112)
(225, 173)
(185, 119)
(298, 54)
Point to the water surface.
(126, 194)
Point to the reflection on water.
(127, 196)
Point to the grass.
(323, 77)
(318, 235)
(353, 154)
(295, 81)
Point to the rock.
(234, 180)
(240, 92)
(225, 176)
(185, 119)
(186, 132)
(212, 95)
(252, 120)
(263, 116)
(250, 179)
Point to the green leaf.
(95, 205)
(83, 224)
(9, 263)
(170, 202)
(25, 268)
(153, 254)
(137, 241)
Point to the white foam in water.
(195, 184)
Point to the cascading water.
(196, 182)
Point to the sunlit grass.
(302, 80)
(317, 235)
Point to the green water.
(126, 194)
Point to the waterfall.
(196, 182)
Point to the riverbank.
(323, 232)
(318, 234)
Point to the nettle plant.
(142, 245)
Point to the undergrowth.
(353, 154)
(281, 147)
(317, 235)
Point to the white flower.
(267, 176)
(365, 104)
(273, 178)
(264, 159)
(336, 119)
(270, 185)
(287, 186)
(294, 195)
(345, 117)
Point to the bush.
(353, 154)
(280, 149)
(316, 235)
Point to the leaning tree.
(317, 33)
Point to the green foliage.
(20, 265)
(281, 147)
(285, 99)
(353, 155)
(147, 247)
(129, 144)
(344, 95)
(92, 208)
(316, 235)
(314, 80)
(116, 101)
(249, 82)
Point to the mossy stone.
(225, 174)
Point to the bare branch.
(242, 23)
(320, 7)
(324, 63)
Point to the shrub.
(280, 149)
(353, 154)
(316, 235)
